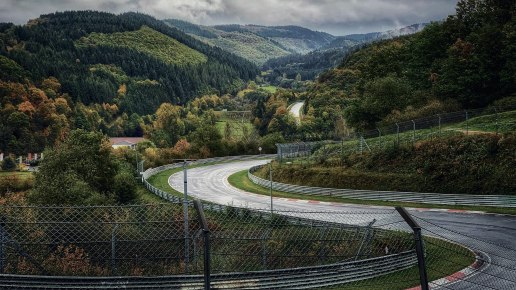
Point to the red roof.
(126, 140)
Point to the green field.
(269, 89)
(22, 175)
(236, 128)
(148, 41)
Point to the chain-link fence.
(492, 119)
(492, 243)
(151, 246)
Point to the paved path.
(497, 233)
(295, 110)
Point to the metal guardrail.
(430, 198)
(298, 278)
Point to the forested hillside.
(311, 64)
(254, 42)
(154, 62)
(467, 61)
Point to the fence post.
(379, 136)
(270, 180)
(365, 239)
(113, 249)
(467, 125)
(185, 214)
(2, 248)
(265, 237)
(439, 115)
(398, 133)
(206, 237)
(420, 250)
(413, 132)
(496, 119)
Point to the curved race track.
(493, 234)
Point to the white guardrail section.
(297, 278)
(430, 198)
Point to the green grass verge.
(241, 181)
(442, 259)
(22, 175)
(504, 122)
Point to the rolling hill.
(311, 64)
(254, 42)
(131, 59)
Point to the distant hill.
(330, 55)
(354, 39)
(464, 62)
(254, 42)
(131, 59)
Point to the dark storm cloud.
(334, 16)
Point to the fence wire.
(248, 248)
(491, 119)
(494, 265)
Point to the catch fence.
(492, 119)
(150, 246)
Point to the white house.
(125, 142)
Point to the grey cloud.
(334, 16)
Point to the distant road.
(295, 110)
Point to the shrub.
(9, 164)
(125, 187)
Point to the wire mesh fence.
(492, 119)
(93, 241)
(491, 244)
(248, 248)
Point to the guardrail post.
(420, 250)
(206, 237)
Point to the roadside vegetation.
(476, 164)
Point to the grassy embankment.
(457, 164)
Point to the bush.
(9, 164)
(125, 187)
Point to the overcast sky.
(338, 17)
